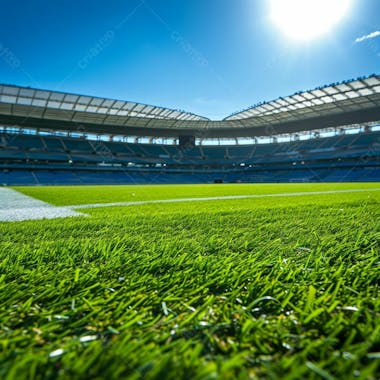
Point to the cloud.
(368, 36)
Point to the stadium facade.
(331, 133)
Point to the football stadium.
(328, 134)
(140, 241)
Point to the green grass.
(282, 288)
(76, 195)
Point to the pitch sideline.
(15, 206)
(226, 197)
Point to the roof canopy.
(356, 94)
(53, 100)
(356, 101)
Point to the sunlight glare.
(306, 20)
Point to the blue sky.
(210, 57)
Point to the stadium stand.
(29, 159)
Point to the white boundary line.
(227, 197)
(15, 206)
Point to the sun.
(306, 20)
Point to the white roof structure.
(356, 94)
(53, 100)
(349, 102)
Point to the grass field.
(282, 287)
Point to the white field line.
(15, 207)
(226, 197)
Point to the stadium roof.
(61, 101)
(349, 102)
(332, 98)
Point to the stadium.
(143, 241)
(324, 135)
